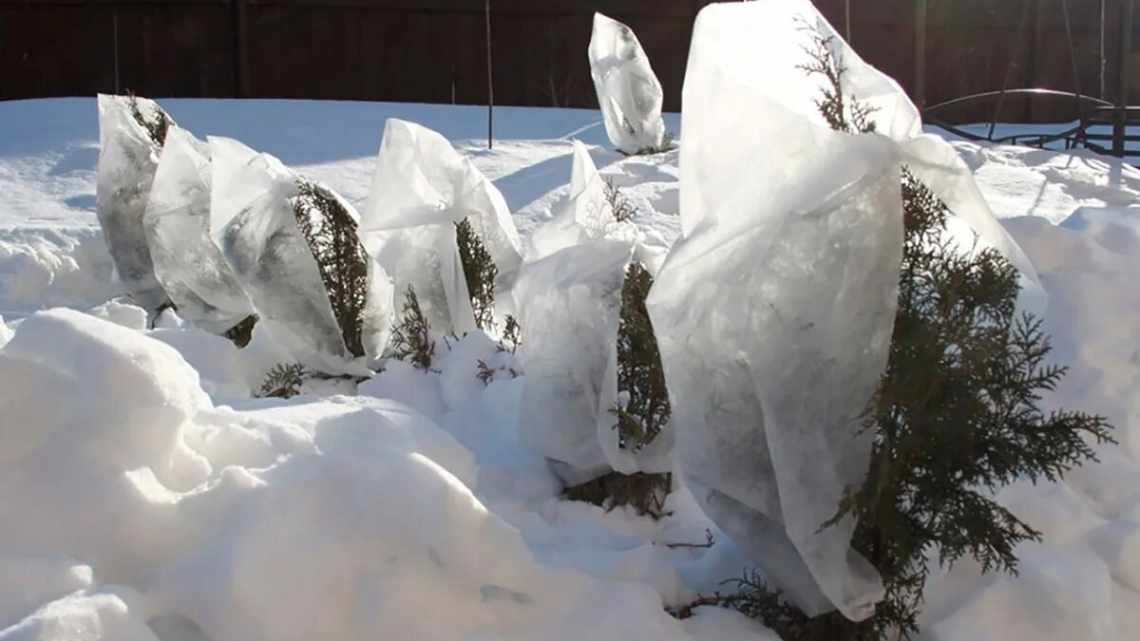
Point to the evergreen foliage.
(645, 493)
(282, 381)
(512, 335)
(155, 126)
(622, 208)
(480, 272)
(411, 335)
(242, 333)
(956, 417)
(644, 409)
(331, 233)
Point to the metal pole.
(490, 84)
(1103, 58)
(1119, 128)
(920, 53)
(847, 6)
(115, 35)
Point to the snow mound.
(628, 91)
(283, 521)
(96, 616)
(94, 414)
(45, 267)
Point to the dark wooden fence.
(435, 50)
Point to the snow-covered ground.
(144, 494)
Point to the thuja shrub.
(957, 415)
(480, 272)
(331, 233)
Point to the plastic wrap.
(585, 216)
(186, 261)
(128, 158)
(252, 220)
(629, 93)
(754, 51)
(569, 307)
(775, 310)
(422, 186)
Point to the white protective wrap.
(189, 265)
(127, 162)
(754, 51)
(569, 307)
(253, 222)
(586, 215)
(774, 312)
(422, 186)
(629, 93)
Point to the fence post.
(920, 53)
(1119, 129)
(115, 45)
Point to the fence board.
(434, 50)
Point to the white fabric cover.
(629, 93)
(569, 307)
(252, 221)
(585, 216)
(753, 51)
(774, 311)
(127, 162)
(186, 261)
(423, 186)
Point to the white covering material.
(189, 265)
(774, 313)
(569, 309)
(253, 222)
(586, 216)
(422, 186)
(127, 162)
(629, 93)
(753, 50)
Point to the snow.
(145, 495)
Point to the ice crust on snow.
(128, 159)
(421, 187)
(252, 220)
(187, 263)
(629, 93)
